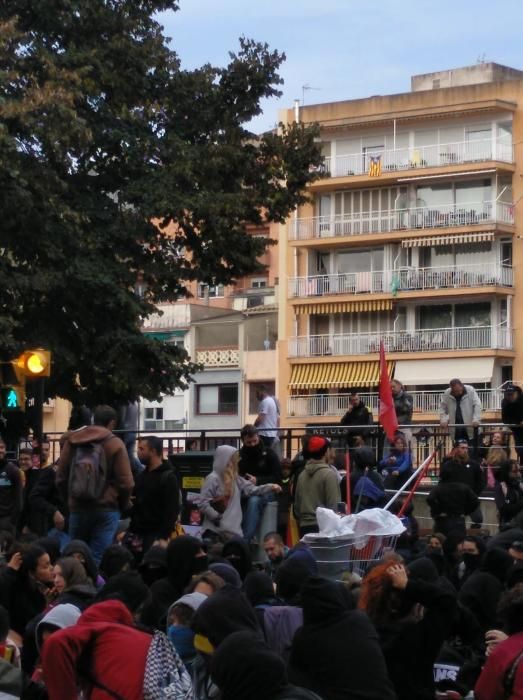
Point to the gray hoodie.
(231, 519)
(60, 617)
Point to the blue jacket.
(402, 464)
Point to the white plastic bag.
(374, 521)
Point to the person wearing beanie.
(221, 494)
(228, 573)
(244, 667)
(317, 485)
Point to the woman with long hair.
(221, 494)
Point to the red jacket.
(118, 655)
(490, 682)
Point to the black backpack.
(88, 471)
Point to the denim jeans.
(96, 528)
(253, 513)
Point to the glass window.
(468, 193)
(354, 261)
(434, 195)
(435, 316)
(214, 399)
(472, 315)
(425, 138)
(215, 290)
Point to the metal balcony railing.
(338, 404)
(405, 279)
(436, 216)
(420, 340)
(421, 157)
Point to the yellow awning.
(340, 374)
(448, 240)
(344, 307)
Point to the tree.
(117, 164)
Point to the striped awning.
(337, 374)
(448, 240)
(344, 307)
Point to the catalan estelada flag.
(375, 166)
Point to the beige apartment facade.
(410, 238)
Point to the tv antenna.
(304, 88)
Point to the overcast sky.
(349, 48)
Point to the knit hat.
(228, 573)
(316, 443)
(192, 600)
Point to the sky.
(347, 49)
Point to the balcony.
(421, 157)
(338, 404)
(422, 340)
(403, 280)
(218, 357)
(416, 218)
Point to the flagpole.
(409, 481)
(416, 484)
(361, 491)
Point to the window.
(259, 283)
(214, 399)
(436, 83)
(153, 418)
(253, 388)
(215, 290)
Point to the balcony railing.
(404, 279)
(421, 340)
(421, 157)
(437, 216)
(338, 404)
(219, 357)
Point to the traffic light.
(33, 363)
(12, 398)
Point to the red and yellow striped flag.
(375, 166)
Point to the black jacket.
(43, 502)
(410, 648)
(469, 473)
(357, 416)
(21, 598)
(509, 500)
(11, 493)
(157, 502)
(512, 411)
(453, 499)
(337, 653)
(261, 462)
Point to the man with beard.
(259, 465)
(276, 552)
(156, 499)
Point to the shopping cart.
(353, 554)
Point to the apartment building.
(410, 238)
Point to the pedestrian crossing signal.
(12, 398)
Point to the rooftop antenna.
(304, 88)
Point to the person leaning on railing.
(460, 410)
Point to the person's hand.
(392, 459)
(161, 543)
(398, 576)
(251, 478)
(395, 473)
(276, 488)
(444, 427)
(493, 638)
(15, 562)
(58, 520)
(475, 423)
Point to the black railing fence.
(422, 439)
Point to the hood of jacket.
(315, 465)
(88, 433)
(222, 455)
(61, 616)
(80, 547)
(223, 613)
(323, 601)
(107, 611)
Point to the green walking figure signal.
(12, 399)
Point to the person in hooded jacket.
(237, 552)
(482, 591)
(81, 551)
(185, 559)
(107, 630)
(221, 494)
(413, 618)
(502, 675)
(317, 485)
(58, 618)
(223, 613)
(259, 590)
(337, 651)
(508, 491)
(244, 667)
(97, 523)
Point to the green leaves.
(113, 161)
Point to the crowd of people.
(103, 594)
